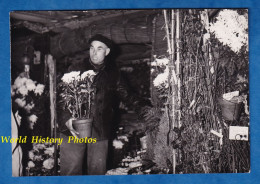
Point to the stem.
(80, 114)
(76, 98)
(77, 105)
(89, 105)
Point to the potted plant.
(77, 94)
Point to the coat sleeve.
(62, 117)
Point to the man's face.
(98, 51)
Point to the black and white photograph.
(129, 92)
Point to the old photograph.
(129, 92)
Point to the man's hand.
(70, 127)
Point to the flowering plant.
(25, 93)
(41, 160)
(160, 74)
(77, 92)
(231, 29)
(161, 80)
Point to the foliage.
(26, 94)
(160, 71)
(209, 67)
(231, 29)
(41, 160)
(77, 92)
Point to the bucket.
(143, 142)
(230, 109)
(83, 127)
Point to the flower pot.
(230, 109)
(83, 127)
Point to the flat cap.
(101, 38)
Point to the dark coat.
(109, 89)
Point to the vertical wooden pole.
(172, 35)
(52, 77)
(152, 58)
(178, 65)
(167, 31)
(173, 84)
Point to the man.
(108, 87)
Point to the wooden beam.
(127, 31)
(32, 17)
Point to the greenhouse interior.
(189, 67)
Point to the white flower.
(160, 62)
(49, 151)
(30, 85)
(39, 89)
(118, 144)
(23, 90)
(31, 125)
(49, 163)
(231, 29)
(135, 164)
(47, 144)
(29, 107)
(33, 118)
(38, 157)
(162, 79)
(31, 164)
(38, 146)
(20, 102)
(31, 155)
(123, 137)
(88, 74)
(19, 82)
(69, 77)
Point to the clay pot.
(83, 127)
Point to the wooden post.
(178, 65)
(52, 77)
(172, 75)
(173, 84)
(167, 31)
(152, 58)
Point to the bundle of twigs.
(196, 132)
